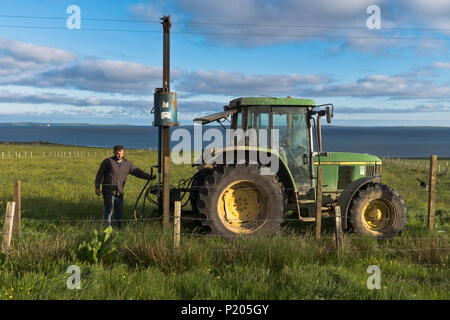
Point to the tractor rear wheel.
(238, 200)
(377, 210)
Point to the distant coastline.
(403, 142)
(38, 143)
(51, 124)
(61, 124)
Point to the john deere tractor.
(241, 196)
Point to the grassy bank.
(289, 265)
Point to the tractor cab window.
(293, 131)
(239, 120)
(258, 118)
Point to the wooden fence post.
(431, 195)
(339, 232)
(7, 226)
(319, 202)
(176, 227)
(18, 207)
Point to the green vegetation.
(289, 265)
(100, 248)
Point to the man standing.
(112, 175)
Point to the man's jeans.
(112, 202)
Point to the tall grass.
(289, 265)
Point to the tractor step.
(307, 219)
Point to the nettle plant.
(101, 248)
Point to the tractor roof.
(250, 101)
(269, 101)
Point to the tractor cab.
(289, 131)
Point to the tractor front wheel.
(238, 200)
(377, 210)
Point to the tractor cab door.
(294, 142)
(293, 136)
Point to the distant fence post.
(18, 207)
(431, 194)
(176, 227)
(7, 226)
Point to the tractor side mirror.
(329, 115)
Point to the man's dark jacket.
(112, 177)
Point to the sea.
(403, 142)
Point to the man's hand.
(153, 177)
(98, 192)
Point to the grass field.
(290, 265)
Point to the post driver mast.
(165, 116)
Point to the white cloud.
(235, 23)
(30, 53)
(393, 87)
(234, 17)
(237, 83)
(96, 75)
(419, 108)
(434, 13)
(7, 96)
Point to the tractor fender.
(350, 191)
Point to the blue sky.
(398, 75)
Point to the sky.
(105, 71)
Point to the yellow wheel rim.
(243, 207)
(377, 214)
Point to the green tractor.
(237, 197)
